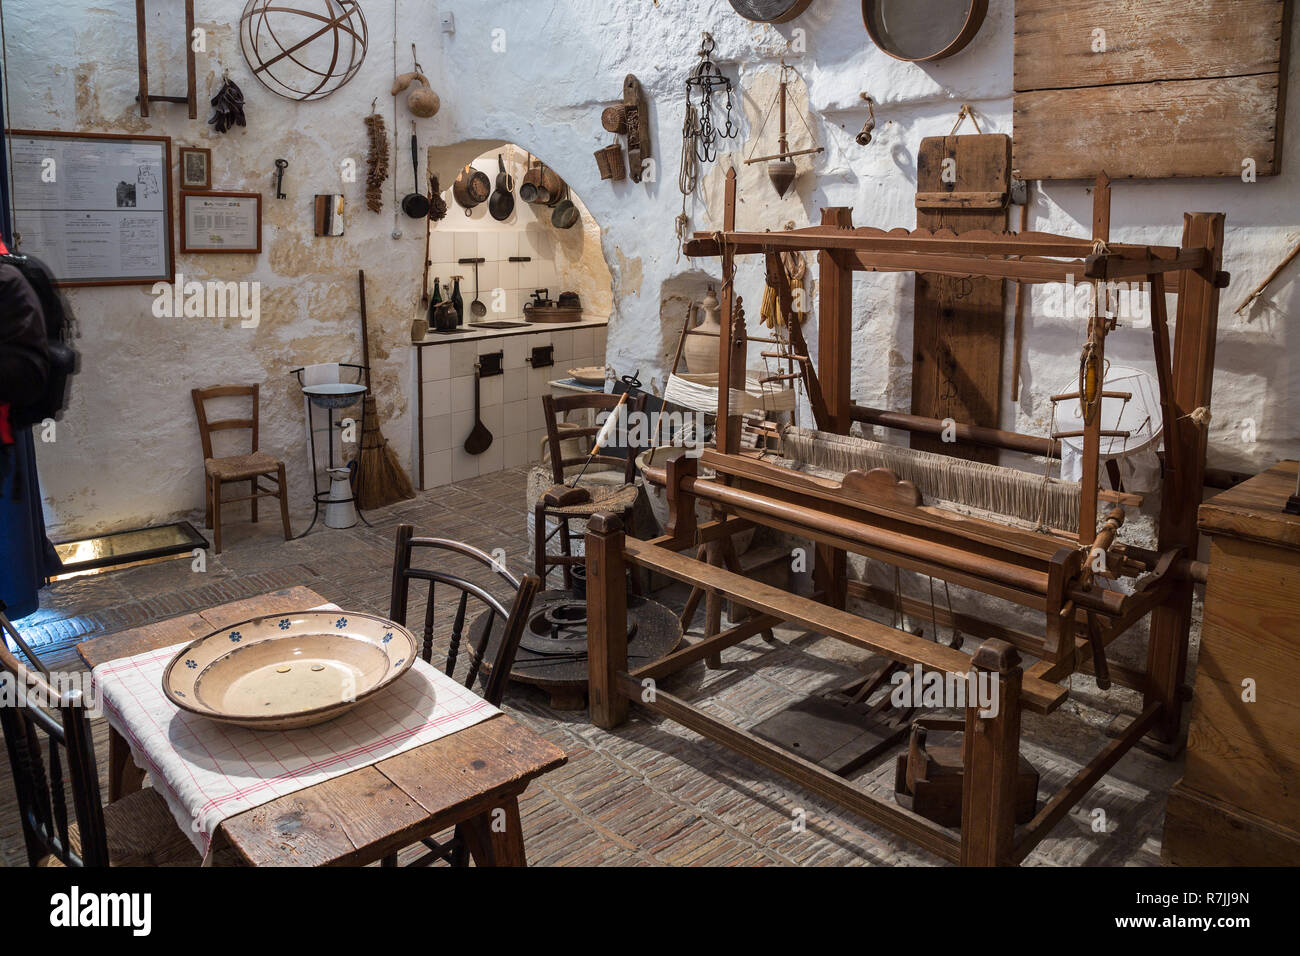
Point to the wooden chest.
(1238, 803)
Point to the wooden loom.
(875, 515)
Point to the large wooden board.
(958, 327)
(1182, 88)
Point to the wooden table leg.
(496, 837)
(124, 777)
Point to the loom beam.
(877, 515)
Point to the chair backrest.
(25, 716)
(494, 634)
(206, 427)
(556, 406)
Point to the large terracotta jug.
(701, 351)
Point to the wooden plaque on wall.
(1149, 89)
(957, 330)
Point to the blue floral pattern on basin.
(326, 631)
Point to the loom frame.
(876, 515)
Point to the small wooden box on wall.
(1149, 89)
(1238, 803)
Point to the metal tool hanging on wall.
(705, 80)
(780, 165)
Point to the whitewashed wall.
(538, 73)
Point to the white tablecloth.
(208, 771)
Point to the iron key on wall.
(280, 166)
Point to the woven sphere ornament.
(303, 54)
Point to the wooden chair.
(489, 648)
(251, 467)
(617, 498)
(138, 830)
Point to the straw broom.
(381, 480)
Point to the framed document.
(96, 207)
(221, 222)
(196, 167)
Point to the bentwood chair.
(485, 653)
(137, 830)
(251, 467)
(618, 497)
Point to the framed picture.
(196, 168)
(221, 222)
(96, 207)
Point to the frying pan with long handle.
(502, 202)
(414, 204)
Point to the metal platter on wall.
(770, 11)
(917, 30)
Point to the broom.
(380, 478)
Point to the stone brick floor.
(651, 793)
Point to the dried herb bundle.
(378, 162)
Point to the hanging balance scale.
(781, 169)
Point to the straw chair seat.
(141, 832)
(239, 467)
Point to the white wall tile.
(508, 243)
(491, 390)
(493, 459)
(539, 382)
(514, 355)
(584, 342)
(508, 275)
(461, 425)
(435, 363)
(563, 342)
(437, 432)
(442, 246)
(437, 468)
(463, 466)
(462, 394)
(535, 416)
(516, 417)
(437, 398)
(487, 246)
(466, 247)
(464, 355)
(515, 453)
(514, 387)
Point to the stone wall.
(538, 74)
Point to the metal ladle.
(477, 308)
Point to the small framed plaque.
(196, 167)
(221, 222)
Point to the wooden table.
(1236, 804)
(366, 814)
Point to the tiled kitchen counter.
(511, 402)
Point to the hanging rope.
(688, 174)
(964, 114)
